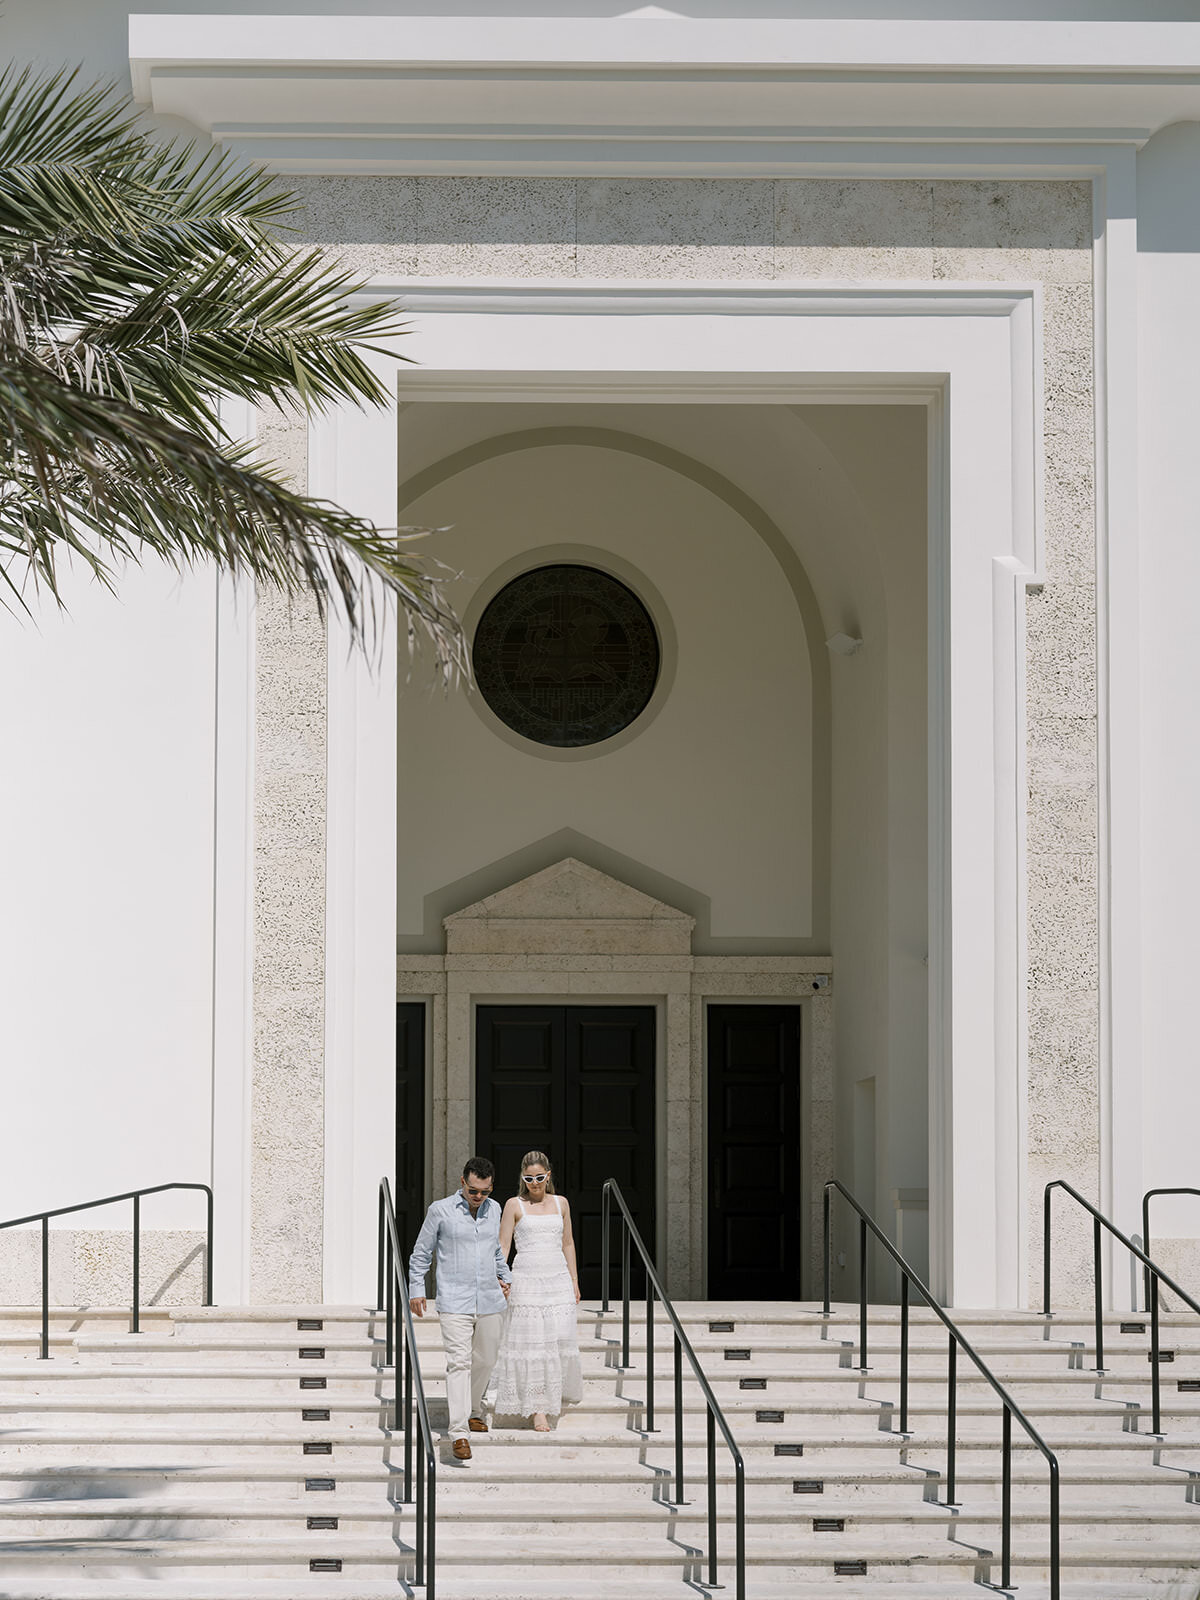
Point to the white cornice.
(647, 95)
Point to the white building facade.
(860, 352)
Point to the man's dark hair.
(481, 1167)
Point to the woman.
(537, 1372)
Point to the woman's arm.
(508, 1221)
(569, 1247)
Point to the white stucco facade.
(888, 332)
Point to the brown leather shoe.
(462, 1450)
(477, 1425)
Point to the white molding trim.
(352, 459)
(751, 97)
(233, 921)
(1119, 695)
(979, 376)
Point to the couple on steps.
(532, 1340)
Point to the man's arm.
(421, 1259)
(502, 1271)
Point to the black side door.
(408, 1189)
(578, 1083)
(754, 1192)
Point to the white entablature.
(645, 95)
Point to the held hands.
(417, 1307)
(505, 1288)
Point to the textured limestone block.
(287, 1118)
(1063, 785)
(495, 227)
(675, 228)
(21, 1267)
(1013, 230)
(1063, 931)
(828, 228)
(368, 223)
(171, 1267)
(1061, 644)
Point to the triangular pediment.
(569, 908)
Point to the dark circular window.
(566, 655)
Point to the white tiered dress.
(538, 1365)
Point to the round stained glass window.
(566, 655)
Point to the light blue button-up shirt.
(468, 1256)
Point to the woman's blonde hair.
(536, 1158)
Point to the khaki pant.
(472, 1344)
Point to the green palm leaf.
(140, 282)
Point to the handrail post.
(1146, 1244)
(952, 1421)
(904, 1352)
(678, 1422)
(625, 1294)
(45, 1355)
(388, 1293)
(862, 1294)
(1046, 1247)
(739, 1511)
(828, 1245)
(409, 1430)
(431, 1537)
(1006, 1503)
(137, 1260)
(208, 1253)
(1097, 1270)
(712, 1497)
(604, 1227)
(650, 1428)
(1055, 1563)
(379, 1291)
(419, 1516)
(1155, 1374)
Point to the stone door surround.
(573, 933)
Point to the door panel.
(409, 1182)
(578, 1083)
(754, 1199)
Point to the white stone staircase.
(179, 1463)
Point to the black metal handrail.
(957, 1339)
(683, 1346)
(1099, 1220)
(400, 1337)
(1146, 1199)
(90, 1205)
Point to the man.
(463, 1231)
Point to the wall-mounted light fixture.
(843, 644)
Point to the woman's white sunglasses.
(535, 1177)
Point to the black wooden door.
(409, 1181)
(754, 1194)
(578, 1083)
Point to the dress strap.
(558, 1204)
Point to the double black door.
(755, 1202)
(578, 1083)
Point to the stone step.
(179, 1517)
(505, 1583)
(1130, 1480)
(281, 1351)
(511, 1582)
(566, 1557)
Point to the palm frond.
(106, 480)
(139, 282)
